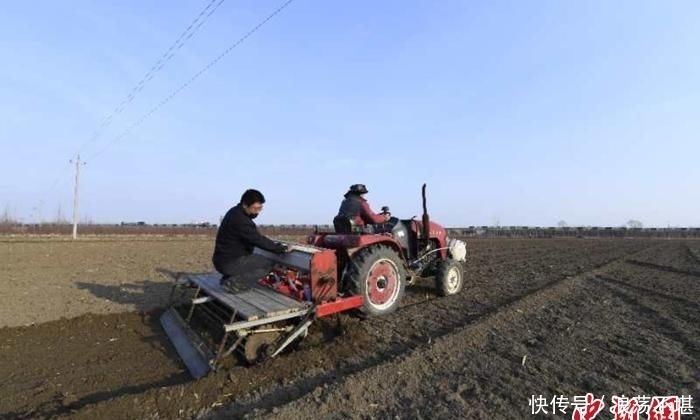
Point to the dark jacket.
(358, 209)
(237, 236)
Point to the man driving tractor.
(356, 209)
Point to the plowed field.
(80, 337)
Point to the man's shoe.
(233, 286)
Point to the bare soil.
(537, 317)
(44, 280)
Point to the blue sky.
(513, 112)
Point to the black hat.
(358, 189)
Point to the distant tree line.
(205, 228)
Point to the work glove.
(284, 248)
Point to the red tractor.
(378, 261)
(348, 269)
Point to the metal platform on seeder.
(256, 312)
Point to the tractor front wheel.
(449, 279)
(377, 274)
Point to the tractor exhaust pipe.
(426, 218)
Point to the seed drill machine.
(362, 269)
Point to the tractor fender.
(388, 242)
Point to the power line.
(185, 36)
(58, 178)
(175, 92)
(167, 56)
(39, 204)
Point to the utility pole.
(75, 197)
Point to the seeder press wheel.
(262, 343)
(258, 346)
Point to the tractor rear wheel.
(449, 279)
(377, 274)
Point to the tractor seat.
(345, 225)
(342, 224)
